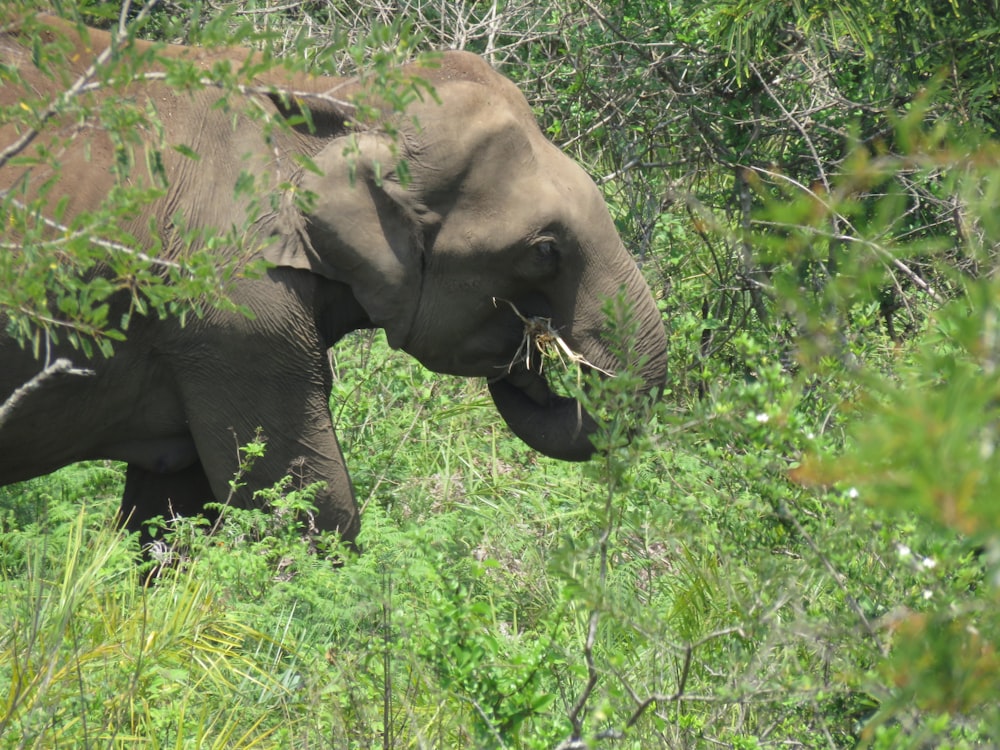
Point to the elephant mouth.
(531, 384)
(549, 422)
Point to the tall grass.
(92, 657)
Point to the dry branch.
(59, 367)
(541, 336)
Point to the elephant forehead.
(482, 146)
(500, 204)
(461, 139)
(496, 220)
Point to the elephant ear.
(358, 225)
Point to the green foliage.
(59, 292)
(505, 600)
(92, 656)
(85, 278)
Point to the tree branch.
(59, 367)
(78, 86)
(242, 88)
(66, 235)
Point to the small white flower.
(810, 435)
(928, 593)
(853, 493)
(762, 417)
(928, 562)
(903, 550)
(986, 448)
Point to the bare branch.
(66, 235)
(881, 251)
(268, 90)
(59, 367)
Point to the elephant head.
(494, 225)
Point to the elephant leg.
(299, 443)
(149, 494)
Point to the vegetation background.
(802, 549)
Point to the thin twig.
(541, 336)
(59, 367)
(78, 86)
(67, 235)
(85, 84)
(575, 715)
(679, 695)
(895, 262)
(837, 576)
(264, 90)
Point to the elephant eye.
(546, 251)
(541, 260)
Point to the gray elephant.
(495, 225)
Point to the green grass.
(683, 593)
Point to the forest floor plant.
(677, 592)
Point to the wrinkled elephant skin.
(493, 217)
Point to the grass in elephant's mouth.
(543, 340)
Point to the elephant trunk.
(557, 425)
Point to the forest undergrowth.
(681, 592)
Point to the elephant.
(492, 226)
